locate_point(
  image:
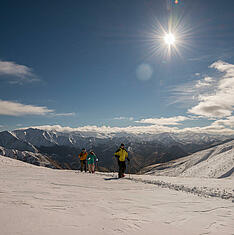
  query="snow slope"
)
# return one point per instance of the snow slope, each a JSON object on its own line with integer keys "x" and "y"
{"x": 36, "y": 200}
{"x": 29, "y": 157}
{"x": 215, "y": 162}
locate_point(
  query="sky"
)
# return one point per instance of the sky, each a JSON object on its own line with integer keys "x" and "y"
{"x": 104, "y": 65}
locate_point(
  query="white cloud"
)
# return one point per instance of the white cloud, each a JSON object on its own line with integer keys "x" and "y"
{"x": 11, "y": 108}
{"x": 218, "y": 102}
{"x": 207, "y": 81}
{"x": 210, "y": 97}
{"x": 209, "y": 108}
{"x": 17, "y": 73}
{"x": 152, "y": 129}
{"x": 164, "y": 121}
{"x": 222, "y": 66}
{"x": 17, "y": 109}
{"x": 214, "y": 128}
{"x": 229, "y": 122}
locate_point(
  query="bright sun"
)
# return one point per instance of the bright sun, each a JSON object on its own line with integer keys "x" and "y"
{"x": 169, "y": 39}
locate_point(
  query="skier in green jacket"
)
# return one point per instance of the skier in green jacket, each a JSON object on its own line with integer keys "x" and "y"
{"x": 91, "y": 159}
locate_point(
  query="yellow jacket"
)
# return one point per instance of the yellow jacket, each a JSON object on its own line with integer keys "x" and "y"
{"x": 83, "y": 156}
{"x": 122, "y": 154}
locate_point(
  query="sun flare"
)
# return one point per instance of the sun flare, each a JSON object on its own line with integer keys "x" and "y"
{"x": 169, "y": 39}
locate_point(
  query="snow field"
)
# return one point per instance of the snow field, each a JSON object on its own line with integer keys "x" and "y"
{"x": 36, "y": 200}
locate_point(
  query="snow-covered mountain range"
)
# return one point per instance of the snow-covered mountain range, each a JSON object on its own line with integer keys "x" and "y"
{"x": 144, "y": 149}
{"x": 38, "y": 137}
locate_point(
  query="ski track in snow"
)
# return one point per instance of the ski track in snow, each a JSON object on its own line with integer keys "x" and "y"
{"x": 200, "y": 191}
{"x": 223, "y": 189}
{"x": 36, "y": 200}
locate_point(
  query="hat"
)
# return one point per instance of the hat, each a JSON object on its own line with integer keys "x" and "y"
{"x": 122, "y": 144}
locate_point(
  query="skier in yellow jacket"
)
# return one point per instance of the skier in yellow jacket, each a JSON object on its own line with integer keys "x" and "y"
{"x": 83, "y": 156}
{"x": 121, "y": 154}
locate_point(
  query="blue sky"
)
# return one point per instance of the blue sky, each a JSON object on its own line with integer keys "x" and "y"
{"x": 105, "y": 63}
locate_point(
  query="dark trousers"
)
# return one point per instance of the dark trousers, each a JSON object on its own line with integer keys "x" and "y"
{"x": 122, "y": 168}
{"x": 83, "y": 165}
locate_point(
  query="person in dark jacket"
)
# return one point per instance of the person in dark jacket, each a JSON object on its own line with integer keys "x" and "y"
{"x": 121, "y": 154}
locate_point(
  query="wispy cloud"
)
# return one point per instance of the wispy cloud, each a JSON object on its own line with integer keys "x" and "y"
{"x": 184, "y": 95}
{"x": 222, "y": 54}
{"x": 202, "y": 58}
{"x": 16, "y": 73}
{"x": 172, "y": 121}
{"x": 190, "y": 92}
{"x": 11, "y": 108}
{"x": 124, "y": 118}
{"x": 64, "y": 114}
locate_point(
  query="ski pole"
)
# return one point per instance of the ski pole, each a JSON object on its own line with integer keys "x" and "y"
{"x": 115, "y": 166}
{"x": 129, "y": 165}
{"x": 97, "y": 163}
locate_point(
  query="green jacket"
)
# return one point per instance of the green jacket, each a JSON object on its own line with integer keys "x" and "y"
{"x": 91, "y": 158}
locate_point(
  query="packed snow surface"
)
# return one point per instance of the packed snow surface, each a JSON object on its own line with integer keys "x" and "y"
{"x": 36, "y": 200}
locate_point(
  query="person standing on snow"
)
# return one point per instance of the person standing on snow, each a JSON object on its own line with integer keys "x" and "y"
{"x": 83, "y": 156}
{"x": 91, "y": 159}
{"x": 121, "y": 154}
